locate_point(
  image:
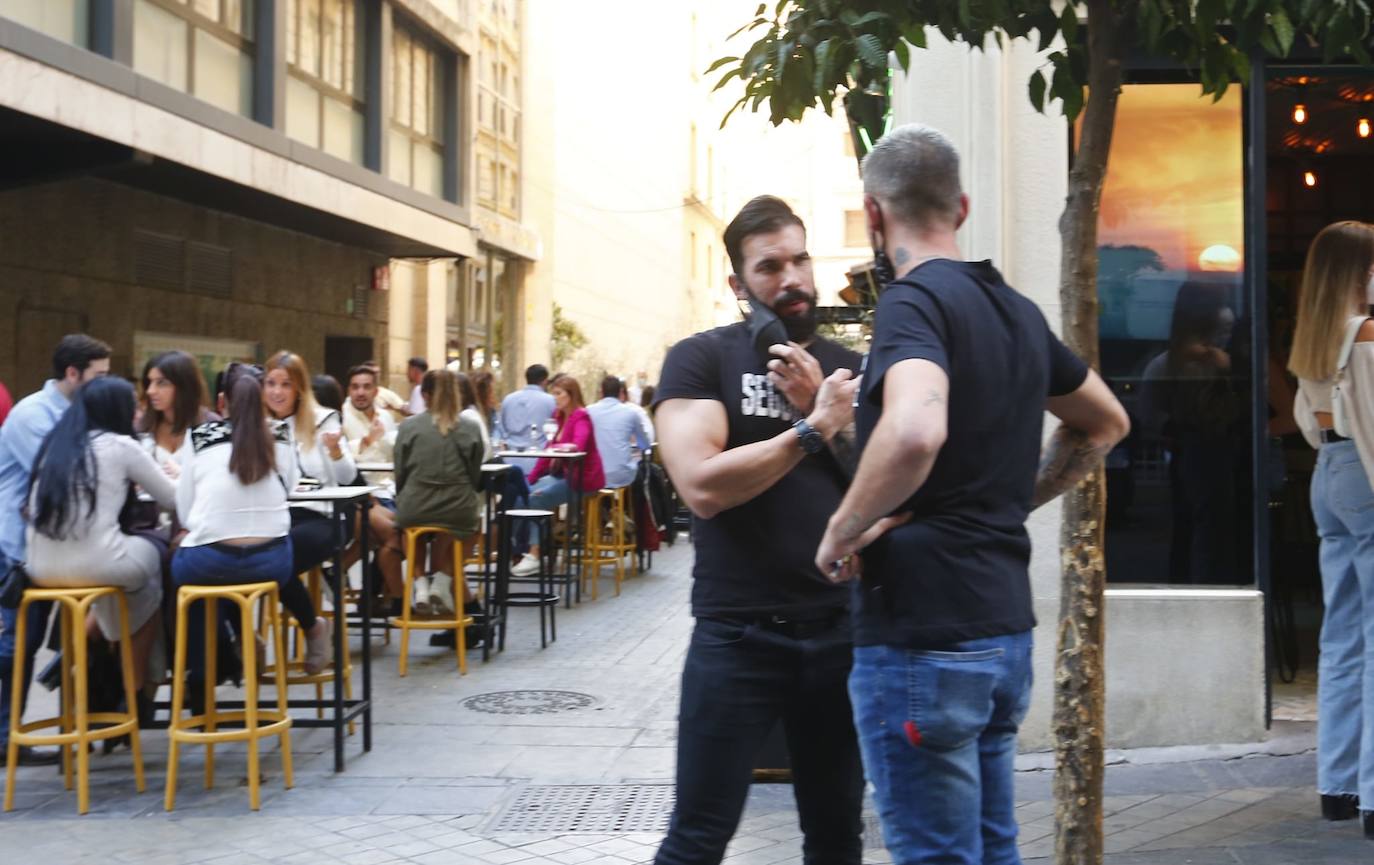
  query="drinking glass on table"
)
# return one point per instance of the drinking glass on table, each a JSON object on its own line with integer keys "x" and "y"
{"x": 550, "y": 431}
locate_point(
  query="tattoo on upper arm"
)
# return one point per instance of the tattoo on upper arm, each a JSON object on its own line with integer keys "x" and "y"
{"x": 933, "y": 397}
{"x": 1069, "y": 457}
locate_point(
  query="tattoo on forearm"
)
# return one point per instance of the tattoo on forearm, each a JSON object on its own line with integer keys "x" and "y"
{"x": 853, "y": 526}
{"x": 1069, "y": 457}
{"x": 933, "y": 397}
{"x": 842, "y": 447}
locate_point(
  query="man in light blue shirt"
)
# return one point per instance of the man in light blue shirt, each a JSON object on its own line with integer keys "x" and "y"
{"x": 620, "y": 438}
{"x": 520, "y": 422}
{"x": 77, "y": 359}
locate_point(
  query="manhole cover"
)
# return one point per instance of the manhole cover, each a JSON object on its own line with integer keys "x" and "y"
{"x": 603, "y": 808}
{"x": 528, "y": 702}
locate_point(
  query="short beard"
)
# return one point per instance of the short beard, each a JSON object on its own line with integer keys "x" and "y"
{"x": 799, "y": 327}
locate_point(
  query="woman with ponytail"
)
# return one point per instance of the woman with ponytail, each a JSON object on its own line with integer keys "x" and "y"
{"x": 232, "y": 501}
{"x": 80, "y": 483}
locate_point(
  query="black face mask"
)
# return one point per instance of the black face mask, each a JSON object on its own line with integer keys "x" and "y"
{"x": 767, "y": 328}
{"x": 883, "y": 271}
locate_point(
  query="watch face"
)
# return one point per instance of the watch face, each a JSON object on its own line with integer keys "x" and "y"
{"x": 811, "y": 441}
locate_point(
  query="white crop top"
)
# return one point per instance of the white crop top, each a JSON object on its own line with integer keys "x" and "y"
{"x": 213, "y": 505}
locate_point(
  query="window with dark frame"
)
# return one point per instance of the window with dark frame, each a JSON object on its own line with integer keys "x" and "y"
{"x": 201, "y": 47}
{"x": 325, "y": 99}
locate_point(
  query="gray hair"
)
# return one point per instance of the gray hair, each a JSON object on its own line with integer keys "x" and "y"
{"x": 914, "y": 171}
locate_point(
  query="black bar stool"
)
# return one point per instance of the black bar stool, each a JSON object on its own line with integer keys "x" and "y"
{"x": 542, "y": 597}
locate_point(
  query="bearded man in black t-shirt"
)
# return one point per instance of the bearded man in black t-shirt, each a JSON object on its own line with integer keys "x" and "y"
{"x": 960, "y": 373}
{"x": 751, "y": 428}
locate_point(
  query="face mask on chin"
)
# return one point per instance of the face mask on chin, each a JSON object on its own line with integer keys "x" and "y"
{"x": 767, "y": 328}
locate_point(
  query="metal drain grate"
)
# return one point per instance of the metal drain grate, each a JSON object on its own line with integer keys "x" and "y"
{"x": 567, "y": 809}
{"x": 528, "y": 702}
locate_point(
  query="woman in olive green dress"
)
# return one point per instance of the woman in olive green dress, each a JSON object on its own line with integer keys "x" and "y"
{"x": 438, "y": 458}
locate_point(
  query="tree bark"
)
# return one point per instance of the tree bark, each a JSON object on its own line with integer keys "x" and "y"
{"x": 1079, "y": 704}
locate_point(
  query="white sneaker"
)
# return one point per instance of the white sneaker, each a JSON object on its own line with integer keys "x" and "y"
{"x": 421, "y": 602}
{"x": 526, "y": 566}
{"x": 441, "y": 594}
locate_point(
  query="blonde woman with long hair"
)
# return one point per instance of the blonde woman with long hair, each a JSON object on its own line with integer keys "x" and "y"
{"x": 438, "y": 458}
{"x": 1333, "y": 317}
{"x": 321, "y": 454}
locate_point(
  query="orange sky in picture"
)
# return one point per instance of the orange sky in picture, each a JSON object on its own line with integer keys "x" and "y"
{"x": 1175, "y": 179}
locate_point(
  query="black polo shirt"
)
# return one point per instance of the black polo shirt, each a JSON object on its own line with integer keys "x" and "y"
{"x": 958, "y": 570}
{"x": 759, "y": 557}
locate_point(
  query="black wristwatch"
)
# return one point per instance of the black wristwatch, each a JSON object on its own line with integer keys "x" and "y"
{"x": 811, "y": 440}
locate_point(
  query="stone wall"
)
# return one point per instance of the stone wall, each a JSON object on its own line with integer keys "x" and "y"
{"x": 70, "y": 260}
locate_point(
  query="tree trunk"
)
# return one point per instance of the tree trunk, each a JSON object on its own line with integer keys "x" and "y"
{"x": 1079, "y": 704}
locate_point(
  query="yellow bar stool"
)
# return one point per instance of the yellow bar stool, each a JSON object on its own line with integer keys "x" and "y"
{"x": 74, "y": 722}
{"x": 602, "y": 549}
{"x": 457, "y": 623}
{"x": 295, "y": 661}
{"x": 257, "y": 722}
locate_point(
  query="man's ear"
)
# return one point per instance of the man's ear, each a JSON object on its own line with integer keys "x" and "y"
{"x": 874, "y": 218}
{"x": 963, "y": 211}
{"x": 737, "y": 286}
{"x": 72, "y": 376}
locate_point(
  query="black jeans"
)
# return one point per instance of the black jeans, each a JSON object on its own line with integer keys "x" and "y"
{"x": 315, "y": 538}
{"x": 738, "y": 680}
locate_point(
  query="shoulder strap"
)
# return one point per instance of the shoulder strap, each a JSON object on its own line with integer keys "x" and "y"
{"x": 1352, "y": 329}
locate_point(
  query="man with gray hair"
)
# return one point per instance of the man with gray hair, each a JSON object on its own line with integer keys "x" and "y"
{"x": 931, "y": 531}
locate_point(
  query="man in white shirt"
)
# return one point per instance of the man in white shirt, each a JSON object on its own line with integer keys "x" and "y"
{"x": 370, "y": 432}
{"x": 415, "y": 371}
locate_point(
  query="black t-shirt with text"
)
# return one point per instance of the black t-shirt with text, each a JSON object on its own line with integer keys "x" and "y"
{"x": 958, "y": 570}
{"x": 758, "y": 557}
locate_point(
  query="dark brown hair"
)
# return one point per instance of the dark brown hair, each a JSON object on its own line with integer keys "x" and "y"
{"x": 484, "y": 385}
{"x": 762, "y": 215}
{"x": 251, "y": 456}
{"x": 467, "y": 394}
{"x": 362, "y": 369}
{"x": 188, "y": 406}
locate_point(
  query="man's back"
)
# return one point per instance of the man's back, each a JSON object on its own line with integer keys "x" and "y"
{"x": 522, "y": 409}
{"x": 967, "y": 530}
{"x": 619, "y": 438}
{"x": 20, "y": 439}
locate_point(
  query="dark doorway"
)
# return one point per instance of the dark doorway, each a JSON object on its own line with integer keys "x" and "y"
{"x": 342, "y": 353}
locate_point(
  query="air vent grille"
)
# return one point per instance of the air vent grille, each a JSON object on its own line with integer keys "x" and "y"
{"x": 209, "y": 269}
{"x": 159, "y": 260}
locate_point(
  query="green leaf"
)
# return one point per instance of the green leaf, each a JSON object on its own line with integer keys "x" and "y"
{"x": 719, "y": 63}
{"x": 916, "y": 35}
{"x": 1068, "y": 22}
{"x": 737, "y": 72}
{"x": 1037, "y": 90}
{"x": 870, "y": 50}
{"x": 869, "y": 18}
{"x": 1283, "y": 31}
{"x": 903, "y": 54}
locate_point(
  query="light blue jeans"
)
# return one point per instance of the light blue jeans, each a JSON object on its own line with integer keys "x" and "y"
{"x": 937, "y": 730}
{"x": 1343, "y": 506}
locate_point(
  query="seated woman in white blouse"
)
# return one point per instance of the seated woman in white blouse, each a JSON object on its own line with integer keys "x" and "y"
{"x": 81, "y": 482}
{"x": 321, "y": 456}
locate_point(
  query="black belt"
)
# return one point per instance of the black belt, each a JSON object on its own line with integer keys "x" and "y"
{"x": 247, "y": 549}
{"x": 798, "y": 627}
{"x": 1330, "y": 436}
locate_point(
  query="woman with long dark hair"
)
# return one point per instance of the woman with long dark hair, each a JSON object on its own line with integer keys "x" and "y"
{"x": 467, "y": 398}
{"x": 80, "y": 483}
{"x": 438, "y": 475}
{"x": 319, "y": 450}
{"x": 173, "y": 402}
{"x": 548, "y": 480}
{"x": 232, "y": 501}
{"x": 1334, "y": 327}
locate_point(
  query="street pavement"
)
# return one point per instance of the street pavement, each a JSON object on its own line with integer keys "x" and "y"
{"x": 565, "y": 755}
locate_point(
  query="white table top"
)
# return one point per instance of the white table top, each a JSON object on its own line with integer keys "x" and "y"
{"x": 376, "y": 467}
{"x": 332, "y": 494}
{"x": 492, "y": 468}
{"x": 553, "y": 455}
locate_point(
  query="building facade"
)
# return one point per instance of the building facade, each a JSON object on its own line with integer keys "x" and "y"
{"x": 237, "y": 176}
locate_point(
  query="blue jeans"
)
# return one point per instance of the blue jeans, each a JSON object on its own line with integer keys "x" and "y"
{"x": 547, "y": 494}
{"x": 214, "y": 566}
{"x": 738, "y": 681}
{"x": 1343, "y": 506}
{"x": 938, "y": 734}
{"x": 36, "y": 627}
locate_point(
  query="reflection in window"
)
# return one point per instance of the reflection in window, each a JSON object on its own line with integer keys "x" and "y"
{"x": 1172, "y": 325}
{"x": 61, "y": 19}
{"x": 201, "y": 47}
{"x": 324, "y": 90}
{"x": 418, "y": 108}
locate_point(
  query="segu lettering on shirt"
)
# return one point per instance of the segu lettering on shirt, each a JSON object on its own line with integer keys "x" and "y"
{"x": 761, "y": 399}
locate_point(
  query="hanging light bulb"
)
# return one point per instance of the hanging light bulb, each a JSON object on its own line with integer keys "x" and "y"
{"x": 1299, "y": 113}
{"x": 1309, "y": 179}
{"x": 1362, "y": 127}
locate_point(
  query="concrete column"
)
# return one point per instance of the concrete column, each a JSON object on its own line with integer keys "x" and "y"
{"x": 376, "y": 82}
{"x": 269, "y": 63}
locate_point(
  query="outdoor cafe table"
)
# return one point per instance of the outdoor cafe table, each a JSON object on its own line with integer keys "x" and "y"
{"x": 376, "y": 467}
{"x": 341, "y": 501}
{"x": 574, "y": 564}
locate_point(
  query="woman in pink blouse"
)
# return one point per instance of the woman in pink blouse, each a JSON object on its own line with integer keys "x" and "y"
{"x": 549, "y": 481}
